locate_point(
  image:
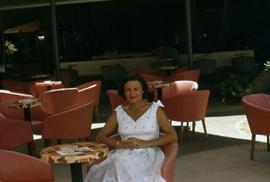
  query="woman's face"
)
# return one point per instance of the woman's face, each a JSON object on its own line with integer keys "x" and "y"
{"x": 133, "y": 91}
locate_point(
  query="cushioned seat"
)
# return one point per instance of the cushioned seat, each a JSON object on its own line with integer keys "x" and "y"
{"x": 14, "y": 133}
{"x": 257, "y": 109}
{"x": 15, "y": 166}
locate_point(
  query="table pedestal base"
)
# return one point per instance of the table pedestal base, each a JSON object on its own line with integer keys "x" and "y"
{"x": 76, "y": 172}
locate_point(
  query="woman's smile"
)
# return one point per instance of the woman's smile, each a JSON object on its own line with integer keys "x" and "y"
{"x": 133, "y": 91}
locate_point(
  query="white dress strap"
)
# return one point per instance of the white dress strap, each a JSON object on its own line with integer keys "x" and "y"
{"x": 118, "y": 108}
{"x": 158, "y": 103}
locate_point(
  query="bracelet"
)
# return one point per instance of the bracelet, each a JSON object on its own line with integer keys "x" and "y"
{"x": 118, "y": 143}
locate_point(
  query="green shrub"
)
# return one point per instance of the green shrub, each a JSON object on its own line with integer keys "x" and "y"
{"x": 233, "y": 88}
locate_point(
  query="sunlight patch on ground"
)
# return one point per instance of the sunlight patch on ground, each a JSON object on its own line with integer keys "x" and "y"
{"x": 235, "y": 126}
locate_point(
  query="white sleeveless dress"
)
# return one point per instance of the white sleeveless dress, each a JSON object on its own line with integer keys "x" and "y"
{"x": 132, "y": 165}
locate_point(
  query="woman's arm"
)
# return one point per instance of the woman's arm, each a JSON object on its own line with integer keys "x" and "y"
{"x": 164, "y": 124}
{"x": 107, "y": 130}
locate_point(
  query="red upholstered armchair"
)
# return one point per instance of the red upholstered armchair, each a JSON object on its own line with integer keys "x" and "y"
{"x": 73, "y": 123}
{"x": 20, "y": 167}
{"x": 192, "y": 75}
{"x": 186, "y": 107}
{"x": 257, "y": 109}
{"x": 39, "y": 87}
{"x": 115, "y": 99}
{"x": 14, "y": 133}
{"x": 58, "y": 100}
{"x": 170, "y": 151}
{"x": 37, "y": 113}
{"x": 15, "y": 86}
{"x": 7, "y": 96}
{"x": 89, "y": 92}
{"x": 179, "y": 87}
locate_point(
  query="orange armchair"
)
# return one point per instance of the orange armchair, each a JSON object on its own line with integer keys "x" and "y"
{"x": 37, "y": 113}
{"x": 89, "y": 92}
{"x": 14, "y": 133}
{"x": 257, "y": 109}
{"x": 115, "y": 99}
{"x": 73, "y": 123}
{"x": 20, "y": 167}
{"x": 179, "y": 87}
{"x": 7, "y": 96}
{"x": 186, "y": 107}
{"x": 15, "y": 86}
{"x": 170, "y": 151}
{"x": 58, "y": 100}
{"x": 192, "y": 75}
{"x": 39, "y": 87}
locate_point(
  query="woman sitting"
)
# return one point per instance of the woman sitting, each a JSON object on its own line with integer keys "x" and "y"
{"x": 136, "y": 156}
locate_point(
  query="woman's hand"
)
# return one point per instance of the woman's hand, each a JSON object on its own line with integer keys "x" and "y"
{"x": 132, "y": 143}
{"x": 137, "y": 143}
{"x": 126, "y": 144}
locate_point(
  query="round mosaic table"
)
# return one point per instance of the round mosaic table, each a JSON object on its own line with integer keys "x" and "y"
{"x": 159, "y": 85}
{"x": 75, "y": 154}
{"x": 50, "y": 84}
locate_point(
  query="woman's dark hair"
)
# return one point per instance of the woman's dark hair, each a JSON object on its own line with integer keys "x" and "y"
{"x": 134, "y": 78}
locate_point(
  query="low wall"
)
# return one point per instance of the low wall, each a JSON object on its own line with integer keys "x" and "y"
{"x": 223, "y": 59}
{"x": 92, "y": 67}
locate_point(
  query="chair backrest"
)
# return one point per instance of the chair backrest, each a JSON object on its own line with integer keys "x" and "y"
{"x": 58, "y": 100}
{"x": 89, "y": 91}
{"x": 192, "y": 75}
{"x": 14, "y": 86}
{"x": 178, "y": 70}
{"x": 74, "y": 123}
{"x": 15, "y": 166}
{"x": 187, "y": 106}
{"x": 39, "y": 87}
{"x": 257, "y": 110}
{"x": 179, "y": 87}
{"x": 7, "y": 96}
{"x": 14, "y": 133}
{"x": 115, "y": 99}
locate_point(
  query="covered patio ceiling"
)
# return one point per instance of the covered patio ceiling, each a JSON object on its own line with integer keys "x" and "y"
{"x": 20, "y": 4}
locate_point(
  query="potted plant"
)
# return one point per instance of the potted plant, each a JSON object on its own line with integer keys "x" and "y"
{"x": 233, "y": 88}
{"x": 262, "y": 81}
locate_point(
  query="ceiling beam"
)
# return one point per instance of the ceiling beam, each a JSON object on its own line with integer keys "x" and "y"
{"x": 19, "y": 4}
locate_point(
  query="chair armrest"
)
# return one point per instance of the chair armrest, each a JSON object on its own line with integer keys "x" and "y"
{"x": 73, "y": 123}
{"x": 14, "y": 133}
{"x": 170, "y": 151}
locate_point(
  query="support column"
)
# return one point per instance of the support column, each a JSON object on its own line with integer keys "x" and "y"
{"x": 189, "y": 34}
{"x": 55, "y": 41}
{"x": 3, "y": 57}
